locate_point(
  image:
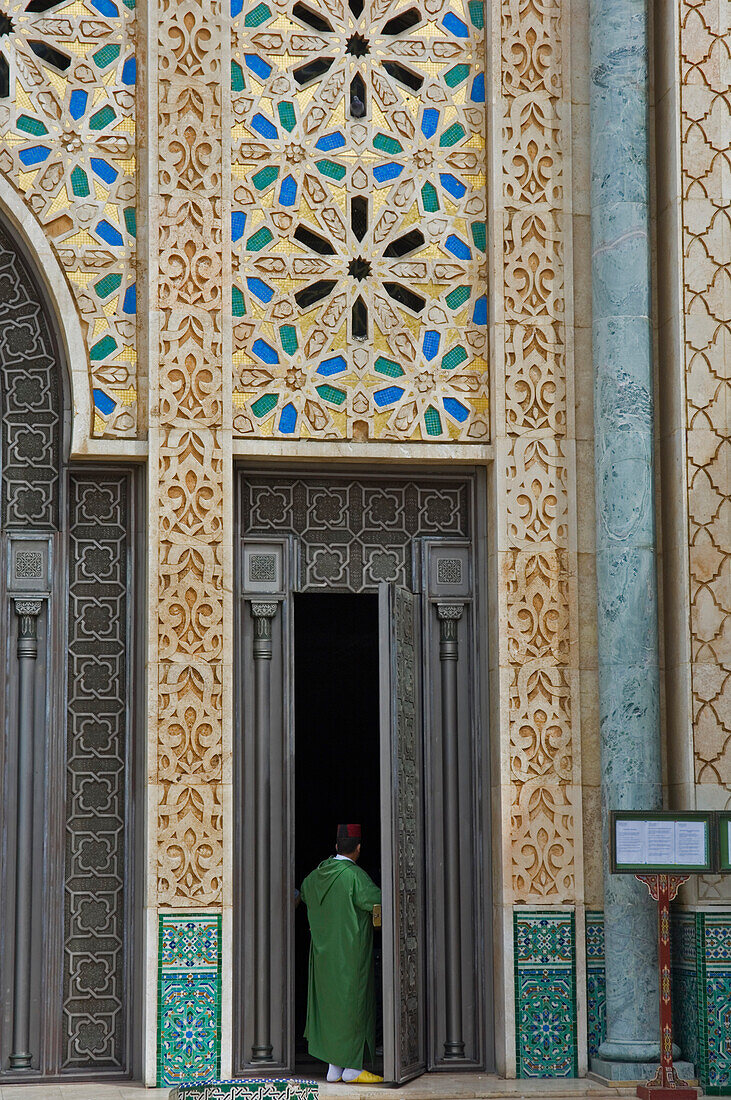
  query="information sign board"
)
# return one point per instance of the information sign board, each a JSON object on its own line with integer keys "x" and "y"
{"x": 660, "y": 843}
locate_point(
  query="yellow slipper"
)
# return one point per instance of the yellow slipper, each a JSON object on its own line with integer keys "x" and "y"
{"x": 366, "y": 1078}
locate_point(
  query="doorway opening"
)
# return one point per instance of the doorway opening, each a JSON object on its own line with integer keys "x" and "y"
{"x": 337, "y": 757}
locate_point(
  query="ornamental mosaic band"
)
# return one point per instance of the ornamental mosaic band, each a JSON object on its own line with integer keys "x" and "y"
{"x": 341, "y": 1004}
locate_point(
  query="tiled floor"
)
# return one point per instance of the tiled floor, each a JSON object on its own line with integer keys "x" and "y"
{"x": 431, "y": 1087}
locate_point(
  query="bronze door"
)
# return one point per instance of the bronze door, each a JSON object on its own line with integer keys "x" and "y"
{"x": 402, "y": 835}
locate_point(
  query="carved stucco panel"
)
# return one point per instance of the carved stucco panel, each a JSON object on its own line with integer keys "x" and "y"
{"x": 538, "y": 563}
{"x": 189, "y": 467}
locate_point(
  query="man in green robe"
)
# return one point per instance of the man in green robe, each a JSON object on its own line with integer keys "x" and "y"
{"x": 341, "y": 1001}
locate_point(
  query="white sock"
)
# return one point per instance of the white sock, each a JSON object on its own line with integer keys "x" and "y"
{"x": 334, "y": 1073}
{"x": 351, "y": 1074}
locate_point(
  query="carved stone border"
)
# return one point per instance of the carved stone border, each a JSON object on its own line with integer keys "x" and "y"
{"x": 534, "y": 648}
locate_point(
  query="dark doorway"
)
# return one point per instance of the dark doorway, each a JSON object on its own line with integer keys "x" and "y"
{"x": 337, "y": 749}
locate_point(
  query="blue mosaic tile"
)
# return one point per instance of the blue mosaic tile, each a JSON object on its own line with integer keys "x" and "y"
{"x": 545, "y": 994}
{"x": 685, "y": 992}
{"x": 190, "y": 942}
{"x": 596, "y": 984}
{"x": 595, "y": 937}
{"x": 189, "y": 999}
{"x": 713, "y": 944}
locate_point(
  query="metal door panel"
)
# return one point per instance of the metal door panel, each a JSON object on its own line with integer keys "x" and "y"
{"x": 402, "y": 832}
{"x": 263, "y": 771}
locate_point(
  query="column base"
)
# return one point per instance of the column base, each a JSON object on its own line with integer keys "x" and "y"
{"x": 629, "y": 1073}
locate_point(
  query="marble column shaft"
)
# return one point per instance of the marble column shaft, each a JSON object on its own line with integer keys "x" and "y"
{"x": 625, "y": 510}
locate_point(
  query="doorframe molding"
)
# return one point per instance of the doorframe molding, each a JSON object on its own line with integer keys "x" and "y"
{"x": 476, "y": 476}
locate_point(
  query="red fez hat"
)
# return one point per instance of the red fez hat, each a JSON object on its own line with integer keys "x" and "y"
{"x": 348, "y": 832}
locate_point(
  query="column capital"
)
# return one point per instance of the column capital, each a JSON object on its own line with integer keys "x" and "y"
{"x": 450, "y": 611}
{"x": 27, "y": 608}
{"x": 261, "y": 610}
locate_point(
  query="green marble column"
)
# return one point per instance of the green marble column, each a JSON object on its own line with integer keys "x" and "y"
{"x": 625, "y": 511}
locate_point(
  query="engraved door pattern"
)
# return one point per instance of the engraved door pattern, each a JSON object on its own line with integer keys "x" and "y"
{"x": 402, "y": 829}
{"x": 80, "y": 869}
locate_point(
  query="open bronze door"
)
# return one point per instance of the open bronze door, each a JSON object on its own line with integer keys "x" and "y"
{"x": 402, "y": 835}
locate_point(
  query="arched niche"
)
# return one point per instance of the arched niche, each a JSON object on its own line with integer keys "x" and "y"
{"x": 68, "y": 774}
{"x": 21, "y": 226}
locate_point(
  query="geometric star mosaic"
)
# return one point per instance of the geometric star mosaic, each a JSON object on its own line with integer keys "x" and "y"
{"x": 358, "y": 223}
{"x": 67, "y": 143}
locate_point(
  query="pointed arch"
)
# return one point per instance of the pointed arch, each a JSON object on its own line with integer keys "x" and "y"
{"x": 23, "y": 228}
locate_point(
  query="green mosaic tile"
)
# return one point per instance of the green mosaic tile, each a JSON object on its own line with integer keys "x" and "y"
{"x": 237, "y": 302}
{"x": 479, "y": 234}
{"x": 257, "y": 16}
{"x": 288, "y": 336}
{"x": 433, "y": 421}
{"x": 108, "y": 284}
{"x": 430, "y": 198}
{"x": 130, "y": 220}
{"x": 80, "y": 183}
{"x": 31, "y": 125}
{"x": 102, "y": 348}
{"x": 189, "y": 998}
{"x": 105, "y": 56}
{"x": 387, "y": 144}
{"x": 265, "y": 177}
{"x": 264, "y": 405}
{"x": 453, "y": 358}
{"x": 477, "y": 13}
{"x": 458, "y": 297}
{"x": 329, "y": 168}
{"x": 545, "y": 994}
{"x": 287, "y": 116}
{"x": 452, "y": 135}
{"x": 331, "y": 394}
{"x": 456, "y": 75}
{"x": 260, "y": 239}
{"x": 237, "y": 77}
{"x": 387, "y": 367}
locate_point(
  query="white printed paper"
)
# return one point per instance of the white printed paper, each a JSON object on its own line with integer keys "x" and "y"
{"x": 661, "y": 842}
{"x": 690, "y": 842}
{"x": 631, "y": 841}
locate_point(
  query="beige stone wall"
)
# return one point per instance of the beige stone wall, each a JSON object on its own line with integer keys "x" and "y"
{"x": 705, "y": 128}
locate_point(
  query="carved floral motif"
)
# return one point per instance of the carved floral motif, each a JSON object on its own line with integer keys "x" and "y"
{"x": 537, "y": 472}
{"x": 190, "y": 465}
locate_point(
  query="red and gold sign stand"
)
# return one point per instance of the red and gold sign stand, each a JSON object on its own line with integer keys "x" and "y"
{"x": 665, "y": 1085}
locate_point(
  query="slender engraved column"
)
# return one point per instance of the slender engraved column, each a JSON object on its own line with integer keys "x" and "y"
{"x": 449, "y": 615}
{"x": 27, "y": 612}
{"x": 262, "y": 613}
{"x": 625, "y": 512}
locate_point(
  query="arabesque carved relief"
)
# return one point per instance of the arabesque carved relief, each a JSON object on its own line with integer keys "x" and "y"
{"x": 189, "y": 458}
{"x": 705, "y": 164}
{"x": 67, "y": 143}
{"x": 537, "y": 473}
